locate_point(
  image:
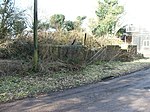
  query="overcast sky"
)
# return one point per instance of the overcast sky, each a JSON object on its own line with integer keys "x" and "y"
{"x": 137, "y": 11}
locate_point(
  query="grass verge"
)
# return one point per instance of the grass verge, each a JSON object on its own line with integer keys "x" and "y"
{"x": 18, "y": 86}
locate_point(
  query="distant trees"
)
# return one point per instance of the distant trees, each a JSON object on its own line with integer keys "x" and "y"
{"x": 78, "y": 22}
{"x": 108, "y": 14}
{"x": 43, "y": 25}
{"x": 69, "y": 25}
{"x": 58, "y": 22}
{"x": 12, "y": 20}
{"x": 19, "y": 22}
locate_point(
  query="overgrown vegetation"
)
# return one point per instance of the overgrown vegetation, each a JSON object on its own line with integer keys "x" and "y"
{"x": 12, "y": 20}
{"x": 17, "y": 80}
{"x": 22, "y": 47}
{"x": 31, "y": 85}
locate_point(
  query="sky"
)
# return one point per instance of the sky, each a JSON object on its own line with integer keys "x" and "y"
{"x": 136, "y": 11}
{"x": 70, "y": 8}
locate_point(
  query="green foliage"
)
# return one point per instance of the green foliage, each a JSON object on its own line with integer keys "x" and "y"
{"x": 81, "y": 18}
{"x": 69, "y": 25}
{"x": 12, "y": 21}
{"x": 121, "y": 31}
{"x": 108, "y": 14}
{"x": 74, "y": 25}
{"x": 43, "y": 25}
{"x": 78, "y": 23}
{"x": 19, "y": 22}
{"x": 57, "y": 21}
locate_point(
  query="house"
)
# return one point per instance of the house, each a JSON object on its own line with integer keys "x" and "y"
{"x": 141, "y": 38}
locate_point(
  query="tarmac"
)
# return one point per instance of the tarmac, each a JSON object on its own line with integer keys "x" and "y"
{"x": 129, "y": 93}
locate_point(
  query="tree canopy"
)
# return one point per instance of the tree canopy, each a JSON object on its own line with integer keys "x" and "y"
{"x": 69, "y": 25}
{"x": 108, "y": 14}
{"x": 12, "y": 20}
{"x": 57, "y": 21}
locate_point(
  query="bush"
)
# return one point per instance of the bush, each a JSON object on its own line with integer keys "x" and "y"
{"x": 22, "y": 46}
{"x": 22, "y": 49}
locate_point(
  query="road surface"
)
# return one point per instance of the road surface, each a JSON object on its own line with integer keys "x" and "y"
{"x": 130, "y": 93}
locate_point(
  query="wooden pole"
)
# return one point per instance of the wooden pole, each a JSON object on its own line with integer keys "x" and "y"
{"x": 84, "y": 39}
{"x": 35, "y": 58}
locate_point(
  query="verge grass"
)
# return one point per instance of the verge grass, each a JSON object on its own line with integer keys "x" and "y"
{"x": 13, "y": 87}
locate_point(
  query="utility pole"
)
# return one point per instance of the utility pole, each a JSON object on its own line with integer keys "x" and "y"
{"x": 35, "y": 58}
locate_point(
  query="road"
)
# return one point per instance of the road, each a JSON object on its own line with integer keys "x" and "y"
{"x": 130, "y": 93}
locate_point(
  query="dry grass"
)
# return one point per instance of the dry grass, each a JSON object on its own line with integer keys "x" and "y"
{"x": 67, "y": 38}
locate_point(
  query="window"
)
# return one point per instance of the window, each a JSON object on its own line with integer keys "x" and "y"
{"x": 146, "y": 43}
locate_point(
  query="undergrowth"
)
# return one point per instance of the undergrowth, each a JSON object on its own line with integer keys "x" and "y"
{"x": 31, "y": 84}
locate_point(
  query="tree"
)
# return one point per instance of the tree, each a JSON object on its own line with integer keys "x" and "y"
{"x": 121, "y": 31}
{"x": 57, "y": 21}
{"x": 108, "y": 14}
{"x": 43, "y": 25}
{"x": 79, "y": 21}
{"x": 6, "y": 9}
{"x": 19, "y": 22}
{"x": 69, "y": 25}
{"x": 12, "y": 21}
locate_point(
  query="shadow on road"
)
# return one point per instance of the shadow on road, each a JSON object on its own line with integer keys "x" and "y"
{"x": 124, "y": 94}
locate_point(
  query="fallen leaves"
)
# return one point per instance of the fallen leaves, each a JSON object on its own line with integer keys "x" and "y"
{"x": 18, "y": 87}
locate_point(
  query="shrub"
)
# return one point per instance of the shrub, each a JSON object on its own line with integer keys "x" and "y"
{"x": 22, "y": 46}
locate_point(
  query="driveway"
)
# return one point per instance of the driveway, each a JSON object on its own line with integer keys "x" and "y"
{"x": 130, "y": 93}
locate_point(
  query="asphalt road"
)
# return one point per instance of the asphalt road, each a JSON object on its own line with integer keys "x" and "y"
{"x": 130, "y": 93}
